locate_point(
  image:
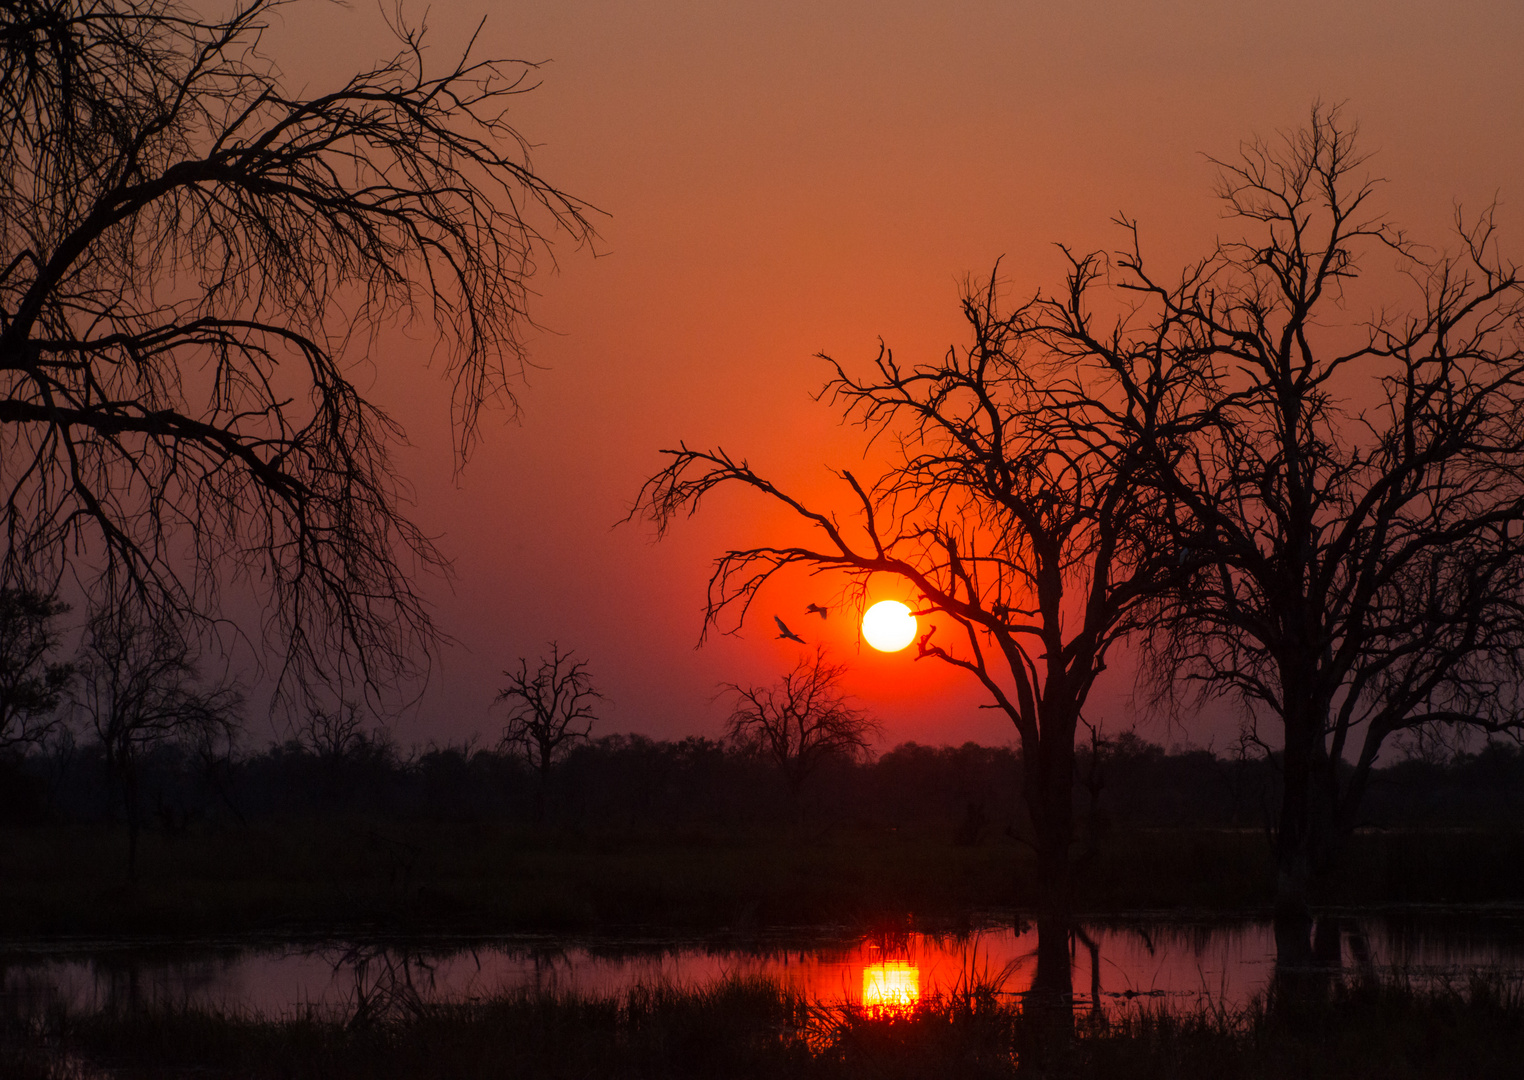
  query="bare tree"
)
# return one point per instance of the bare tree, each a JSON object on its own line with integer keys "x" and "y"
{"x": 331, "y": 735}
{"x": 138, "y": 688}
{"x": 31, "y": 685}
{"x": 549, "y": 710}
{"x": 801, "y": 721}
{"x": 1012, "y": 508}
{"x": 193, "y": 261}
{"x": 1347, "y": 497}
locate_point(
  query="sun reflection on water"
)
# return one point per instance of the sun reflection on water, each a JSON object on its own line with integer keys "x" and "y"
{"x": 891, "y": 987}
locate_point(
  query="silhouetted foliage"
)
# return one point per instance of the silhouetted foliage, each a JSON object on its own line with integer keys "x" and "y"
{"x": 695, "y": 832}
{"x": 193, "y": 260}
{"x": 632, "y": 783}
{"x": 31, "y": 684}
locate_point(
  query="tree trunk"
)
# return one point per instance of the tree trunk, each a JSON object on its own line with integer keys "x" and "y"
{"x": 1094, "y": 949}
{"x": 1053, "y": 983}
{"x": 1304, "y": 832}
{"x": 1304, "y": 840}
{"x": 1293, "y": 853}
{"x": 1049, "y": 794}
{"x": 1308, "y": 956}
{"x": 1293, "y": 944}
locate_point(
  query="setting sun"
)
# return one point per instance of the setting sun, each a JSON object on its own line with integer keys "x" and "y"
{"x": 889, "y": 626}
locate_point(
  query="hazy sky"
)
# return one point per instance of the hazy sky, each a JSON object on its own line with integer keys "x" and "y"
{"x": 782, "y": 179}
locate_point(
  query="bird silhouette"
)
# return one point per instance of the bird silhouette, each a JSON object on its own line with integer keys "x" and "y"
{"x": 785, "y": 632}
{"x": 815, "y": 609}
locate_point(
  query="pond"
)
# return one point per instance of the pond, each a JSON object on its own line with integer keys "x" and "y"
{"x": 1177, "y": 961}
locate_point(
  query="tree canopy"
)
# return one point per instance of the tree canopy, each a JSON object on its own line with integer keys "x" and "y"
{"x": 1345, "y": 491}
{"x": 193, "y": 259}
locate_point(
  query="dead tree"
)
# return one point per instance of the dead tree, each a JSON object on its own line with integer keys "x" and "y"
{"x": 800, "y": 722}
{"x": 1346, "y": 495}
{"x": 332, "y": 735}
{"x": 549, "y": 710}
{"x": 1012, "y": 509}
{"x": 193, "y": 263}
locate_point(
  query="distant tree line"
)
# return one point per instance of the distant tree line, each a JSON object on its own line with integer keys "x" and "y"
{"x": 969, "y": 794}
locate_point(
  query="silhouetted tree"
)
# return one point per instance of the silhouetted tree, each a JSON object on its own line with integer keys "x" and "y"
{"x": 30, "y": 684}
{"x": 550, "y": 709}
{"x": 801, "y": 721}
{"x": 137, "y": 688}
{"x": 331, "y": 735}
{"x": 1347, "y": 496}
{"x": 1012, "y": 508}
{"x": 193, "y": 260}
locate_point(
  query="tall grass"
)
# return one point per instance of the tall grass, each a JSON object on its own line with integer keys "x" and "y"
{"x": 1388, "y": 1028}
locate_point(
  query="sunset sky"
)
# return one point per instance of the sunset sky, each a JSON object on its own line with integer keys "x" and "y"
{"x": 782, "y": 179}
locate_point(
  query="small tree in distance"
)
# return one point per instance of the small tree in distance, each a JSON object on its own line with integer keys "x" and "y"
{"x": 138, "y": 689}
{"x": 331, "y": 735}
{"x": 550, "y": 709}
{"x": 800, "y": 721}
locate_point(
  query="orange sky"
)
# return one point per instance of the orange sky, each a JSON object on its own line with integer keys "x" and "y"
{"x": 786, "y": 178}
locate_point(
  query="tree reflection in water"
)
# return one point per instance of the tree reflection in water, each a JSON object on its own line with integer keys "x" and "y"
{"x": 389, "y": 982}
{"x": 1187, "y": 963}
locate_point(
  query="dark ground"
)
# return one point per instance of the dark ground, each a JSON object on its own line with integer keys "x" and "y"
{"x": 344, "y": 876}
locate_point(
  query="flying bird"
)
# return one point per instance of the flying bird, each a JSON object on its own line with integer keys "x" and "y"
{"x": 785, "y": 632}
{"x": 815, "y": 609}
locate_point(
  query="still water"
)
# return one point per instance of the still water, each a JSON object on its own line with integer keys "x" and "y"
{"x": 1177, "y": 962}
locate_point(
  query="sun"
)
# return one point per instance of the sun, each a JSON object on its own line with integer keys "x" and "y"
{"x": 889, "y": 626}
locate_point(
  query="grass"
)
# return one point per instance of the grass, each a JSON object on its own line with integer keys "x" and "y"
{"x": 344, "y": 875}
{"x": 1385, "y": 1028}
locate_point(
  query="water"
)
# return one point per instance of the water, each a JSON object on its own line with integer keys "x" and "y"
{"x": 1178, "y": 962}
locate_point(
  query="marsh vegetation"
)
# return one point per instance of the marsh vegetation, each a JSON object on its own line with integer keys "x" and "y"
{"x": 755, "y": 1028}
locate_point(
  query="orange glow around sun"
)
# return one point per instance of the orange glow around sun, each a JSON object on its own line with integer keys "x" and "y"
{"x": 889, "y": 626}
{"x": 891, "y": 986}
